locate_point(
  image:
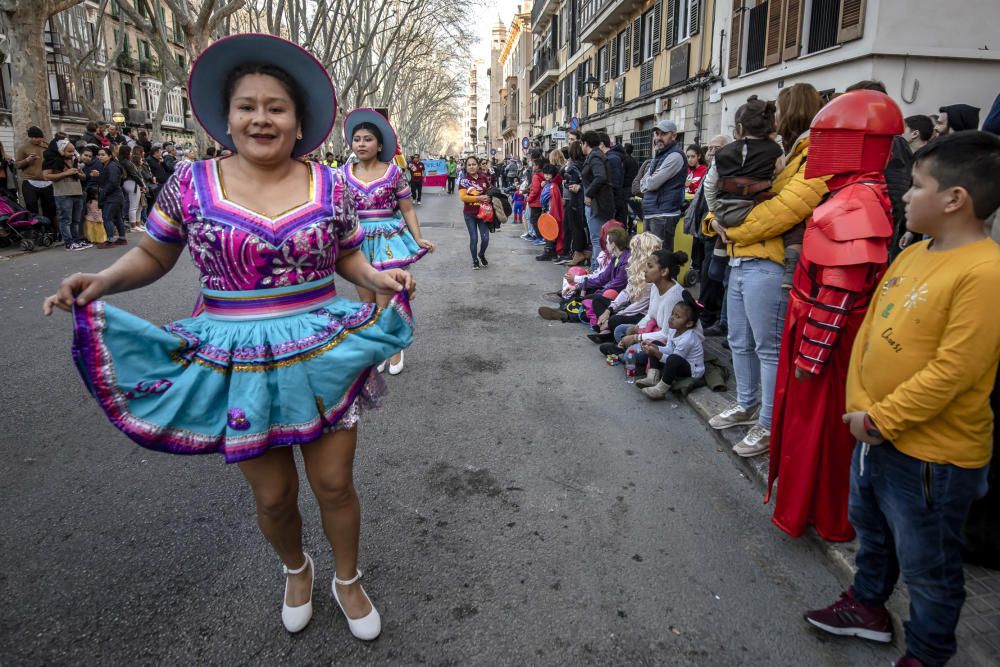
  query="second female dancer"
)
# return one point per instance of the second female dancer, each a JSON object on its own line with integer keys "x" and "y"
{"x": 382, "y": 198}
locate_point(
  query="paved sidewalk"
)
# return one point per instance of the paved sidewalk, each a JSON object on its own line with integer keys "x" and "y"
{"x": 979, "y": 628}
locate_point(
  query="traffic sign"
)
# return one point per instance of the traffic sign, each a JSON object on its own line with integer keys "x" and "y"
{"x": 525, "y": 143}
{"x": 493, "y": 151}
{"x": 574, "y": 123}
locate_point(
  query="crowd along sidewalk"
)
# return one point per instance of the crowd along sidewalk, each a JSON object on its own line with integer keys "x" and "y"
{"x": 979, "y": 628}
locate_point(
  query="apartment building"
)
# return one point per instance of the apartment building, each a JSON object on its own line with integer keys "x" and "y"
{"x": 494, "y": 120}
{"x": 511, "y": 78}
{"x": 133, "y": 83}
{"x": 928, "y": 54}
{"x": 622, "y": 65}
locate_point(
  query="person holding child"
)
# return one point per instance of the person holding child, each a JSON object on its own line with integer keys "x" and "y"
{"x": 918, "y": 390}
{"x": 845, "y": 252}
{"x": 472, "y": 187}
{"x": 755, "y": 300}
{"x": 682, "y": 355}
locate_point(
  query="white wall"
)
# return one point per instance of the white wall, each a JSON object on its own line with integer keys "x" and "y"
{"x": 942, "y": 82}
{"x": 942, "y": 26}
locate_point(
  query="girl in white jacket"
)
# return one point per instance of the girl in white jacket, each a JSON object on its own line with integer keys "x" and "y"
{"x": 682, "y": 355}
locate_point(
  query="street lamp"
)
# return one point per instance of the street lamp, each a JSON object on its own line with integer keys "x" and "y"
{"x": 531, "y": 120}
{"x": 591, "y": 83}
{"x": 118, "y": 117}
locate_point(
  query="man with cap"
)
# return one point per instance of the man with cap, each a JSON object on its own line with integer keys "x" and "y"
{"x": 663, "y": 184}
{"x": 36, "y": 192}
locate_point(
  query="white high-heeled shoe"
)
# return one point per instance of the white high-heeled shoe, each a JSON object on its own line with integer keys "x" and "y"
{"x": 396, "y": 369}
{"x": 297, "y": 618}
{"x": 381, "y": 367}
{"x": 367, "y": 627}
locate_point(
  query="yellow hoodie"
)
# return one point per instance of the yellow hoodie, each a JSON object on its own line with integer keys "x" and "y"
{"x": 796, "y": 196}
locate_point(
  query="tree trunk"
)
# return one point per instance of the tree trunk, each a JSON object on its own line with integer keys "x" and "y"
{"x": 29, "y": 80}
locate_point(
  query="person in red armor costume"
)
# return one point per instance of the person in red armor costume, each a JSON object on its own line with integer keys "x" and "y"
{"x": 844, "y": 254}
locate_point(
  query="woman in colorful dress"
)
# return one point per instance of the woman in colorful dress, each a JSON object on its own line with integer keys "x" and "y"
{"x": 383, "y": 202}
{"x": 276, "y": 358}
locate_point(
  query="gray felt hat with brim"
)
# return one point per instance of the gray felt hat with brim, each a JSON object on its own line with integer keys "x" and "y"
{"x": 366, "y": 115}
{"x": 206, "y": 85}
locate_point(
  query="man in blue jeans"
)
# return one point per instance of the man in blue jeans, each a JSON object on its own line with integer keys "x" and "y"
{"x": 663, "y": 184}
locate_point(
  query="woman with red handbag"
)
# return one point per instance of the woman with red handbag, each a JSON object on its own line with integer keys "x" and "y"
{"x": 477, "y": 209}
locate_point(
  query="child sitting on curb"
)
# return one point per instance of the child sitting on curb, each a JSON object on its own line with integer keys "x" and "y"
{"x": 918, "y": 390}
{"x": 681, "y": 356}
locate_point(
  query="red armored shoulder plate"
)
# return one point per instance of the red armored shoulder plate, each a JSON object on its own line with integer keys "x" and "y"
{"x": 851, "y": 227}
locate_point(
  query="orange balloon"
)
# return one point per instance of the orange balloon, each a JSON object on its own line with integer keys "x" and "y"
{"x": 548, "y": 226}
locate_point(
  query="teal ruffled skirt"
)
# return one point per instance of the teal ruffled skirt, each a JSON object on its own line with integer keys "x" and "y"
{"x": 245, "y": 375}
{"x": 388, "y": 243}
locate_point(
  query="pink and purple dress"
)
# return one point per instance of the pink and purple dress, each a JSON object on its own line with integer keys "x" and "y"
{"x": 388, "y": 243}
{"x": 275, "y": 358}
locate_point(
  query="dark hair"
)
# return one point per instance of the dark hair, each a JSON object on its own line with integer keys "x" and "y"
{"x": 592, "y": 139}
{"x": 868, "y": 84}
{"x": 628, "y": 148}
{"x": 35, "y": 132}
{"x": 968, "y": 159}
{"x": 575, "y": 151}
{"x": 91, "y": 126}
{"x": 210, "y": 151}
{"x": 605, "y": 139}
{"x": 92, "y": 194}
{"x": 756, "y": 117}
{"x": 672, "y": 261}
{"x": 142, "y": 133}
{"x": 124, "y": 152}
{"x": 576, "y": 133}
{"x": 689, "y": 303}
{"x": 371, "y": 127}
{"x": 536, "y": 153}
{"x": 619, "y": 236}
{"x": 287, "y": 82}
{"x": 922, "y": 124}
{"x": 470, "y": 157}
{"x": 699, "y": 150}
{"x": 550, "y": 169}
{"x": 107, "y": 151}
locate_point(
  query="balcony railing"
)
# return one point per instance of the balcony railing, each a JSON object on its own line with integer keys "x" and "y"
{"x": 540, "y": 10}
{"x": 125, "y": 61}
{"x": 546, "y": 67}
{"x": 599, "y": 17}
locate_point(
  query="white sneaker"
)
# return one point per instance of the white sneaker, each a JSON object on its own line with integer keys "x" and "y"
{"x": 367, "y": 627}
{"x": 297, "y": 618}
{"x": 381, "y": 367}
{"x": 735, "y": 416}
{"x": 396, "y": 369}
{"x": 755, "y": 442}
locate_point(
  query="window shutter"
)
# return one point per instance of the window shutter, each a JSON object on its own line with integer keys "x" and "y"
{"x": 581, "y": 74}
{"x": 694, "y": 12}
{"x": 637, "y": 42}
{"x": 671, "y": 22}
{"x": 627, "y": 64}
{"x": 773, "y": 44}
{"x": 852, "y": 20}
{"x": 735, "y": 36}
{"x": 613, "y": 46}
{"x": 657, "y": 18}
{"x": 792, "y": 29}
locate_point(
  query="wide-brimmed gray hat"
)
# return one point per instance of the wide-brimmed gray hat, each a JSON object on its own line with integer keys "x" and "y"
{"x": 367, "y": 115}
{"x": 206, "y": 85}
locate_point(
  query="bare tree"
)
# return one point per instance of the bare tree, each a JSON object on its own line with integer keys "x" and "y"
{"x": 86, "y": 57}
{"x": 25, "y": 26}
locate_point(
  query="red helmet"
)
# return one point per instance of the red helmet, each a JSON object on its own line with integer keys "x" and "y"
{"x": 852, "y": 134}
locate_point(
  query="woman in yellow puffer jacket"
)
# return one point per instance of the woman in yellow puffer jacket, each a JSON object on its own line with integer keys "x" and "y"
{"x": 755, "y": 300}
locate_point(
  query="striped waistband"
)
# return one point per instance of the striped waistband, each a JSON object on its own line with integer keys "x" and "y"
{"x": 268, "y": 303}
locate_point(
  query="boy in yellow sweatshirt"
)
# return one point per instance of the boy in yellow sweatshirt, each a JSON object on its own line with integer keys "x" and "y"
{"x": 918, "y": 388}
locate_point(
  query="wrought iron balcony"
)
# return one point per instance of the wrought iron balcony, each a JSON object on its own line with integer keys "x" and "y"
{"x": 545, "y": 71}
{"x": 599, "y": 18}
{"x": 540, "y": 10}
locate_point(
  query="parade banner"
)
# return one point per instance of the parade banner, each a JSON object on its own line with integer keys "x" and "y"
{"x": 436, "y": 173}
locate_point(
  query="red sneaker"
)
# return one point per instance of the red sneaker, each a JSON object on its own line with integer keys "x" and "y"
{"x": 907, "y": 661}
{"x": 849, "y": 618}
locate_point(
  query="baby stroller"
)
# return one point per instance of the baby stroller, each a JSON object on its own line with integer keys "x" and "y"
{"x": 18, "y": 225}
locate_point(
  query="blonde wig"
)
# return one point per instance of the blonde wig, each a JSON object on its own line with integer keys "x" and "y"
{"x": 642, "y": 247}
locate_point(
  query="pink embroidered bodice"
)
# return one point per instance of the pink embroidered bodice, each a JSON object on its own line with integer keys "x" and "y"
{"x": 380, "y": 198}
{"x": 236, "y": 248}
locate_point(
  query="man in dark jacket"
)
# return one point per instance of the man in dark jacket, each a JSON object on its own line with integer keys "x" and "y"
{"x": 90, "y": 136}
{"x": 663, "y": 184}
{"x": 616, "y": 170}
{"x": 917, "y": 131}
{"x": 159, "y": 171}
{"x": 598, "y": 195}
{"x": 169, "y": 157}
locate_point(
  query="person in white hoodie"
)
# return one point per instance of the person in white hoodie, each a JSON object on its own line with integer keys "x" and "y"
{"x": 681, "y": 356}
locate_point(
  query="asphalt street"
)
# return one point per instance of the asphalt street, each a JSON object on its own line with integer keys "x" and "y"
{"x": 521, "y": 505}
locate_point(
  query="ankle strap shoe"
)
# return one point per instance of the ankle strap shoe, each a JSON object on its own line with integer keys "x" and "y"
{"x": 297, "y": 618}
{"x": 369, "y": 626}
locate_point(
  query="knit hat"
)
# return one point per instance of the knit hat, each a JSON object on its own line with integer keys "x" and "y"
{"x": 62, "y": 144}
